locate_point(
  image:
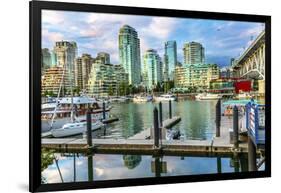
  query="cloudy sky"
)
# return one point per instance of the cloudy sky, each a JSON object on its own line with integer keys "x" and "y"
{"x": 95, "y": 32}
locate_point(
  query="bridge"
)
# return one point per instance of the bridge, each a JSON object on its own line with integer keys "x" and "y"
{"x": 251, "y": 63}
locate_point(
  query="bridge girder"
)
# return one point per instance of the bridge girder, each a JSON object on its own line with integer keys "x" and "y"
{"x": 252, "y": 64}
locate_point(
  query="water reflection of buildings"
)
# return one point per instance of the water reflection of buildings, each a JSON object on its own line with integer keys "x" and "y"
{"x": 131, "y": 161}
{"x": 132, "y": 121}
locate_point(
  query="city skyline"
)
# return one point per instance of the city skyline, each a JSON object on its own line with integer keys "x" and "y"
{"x": 95, "y": 32}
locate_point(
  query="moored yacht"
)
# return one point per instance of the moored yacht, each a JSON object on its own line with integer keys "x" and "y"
{"x": 165, "y": 97}
{"x": 208, "y": 96}
{"x": 55, "y": 115}
{"x": 139, "y": 98}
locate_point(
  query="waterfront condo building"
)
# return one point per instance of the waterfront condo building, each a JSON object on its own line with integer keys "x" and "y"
{"x": 82, "y": 70}
{"x": 196, "y": 75}
{"x": 152, "y": 69}
{"x": 54, "y": 78}
{"x": 129, "y": 53}
{"x": 194, "y": 53}
{"x": 66, "y": 53}
{"x": 106, "y": 80}
{"x": 170, "y": 60}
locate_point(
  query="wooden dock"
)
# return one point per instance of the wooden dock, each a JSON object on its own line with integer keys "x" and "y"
{"x": 141, "y": 143}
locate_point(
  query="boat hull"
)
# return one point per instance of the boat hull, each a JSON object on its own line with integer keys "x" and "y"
{"x": 61, "y": 132}
{"x": 164, "y": 99}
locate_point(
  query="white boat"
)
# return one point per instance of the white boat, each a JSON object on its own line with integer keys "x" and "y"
{"x": 118, "y": 99}
{"x": 243, "y": 96}
{"x": 208, "y": 96}
{"x": 76, "y": 128}
{"x": 54, "y": 116}
{"x": 141, "y": 99}
{"x": 165, "y": 97}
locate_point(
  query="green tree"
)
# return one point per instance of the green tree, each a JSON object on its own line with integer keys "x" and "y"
{"x": 46, "y": 93}
{"x": 51, "y": 93}
{"x": 47, "y": 158}
{"x": 110, "y": 90}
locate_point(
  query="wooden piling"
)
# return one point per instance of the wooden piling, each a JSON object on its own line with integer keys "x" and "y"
{"x": 235, "y": 127}
{"x": 218, "y": 118}
{"x": 156, "y": 127}
{"x": 103, "y": 110}
{"x": 252, "y": 157}
{"x": 89, "y": 129}
{"x": 170, "y": 109}
{"x": 160, "y": 114}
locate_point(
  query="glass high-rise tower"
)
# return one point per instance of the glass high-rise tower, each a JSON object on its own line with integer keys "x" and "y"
{"x": 170, "y": 60}
{"x": 152, "y": 69}
{"x": 129, "y": 53}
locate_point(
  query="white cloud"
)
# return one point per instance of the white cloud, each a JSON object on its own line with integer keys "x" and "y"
{"x": 160, "y": 27}
{"x": 253, "y": 31}
{"x": 52, "y": 17}
{"x": 52, "y": 36}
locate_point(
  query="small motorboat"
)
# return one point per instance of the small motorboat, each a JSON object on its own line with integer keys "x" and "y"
{"x": 139, "y": 98}
{"x": 207, "y": 96}
{"x": 165, "y": 97}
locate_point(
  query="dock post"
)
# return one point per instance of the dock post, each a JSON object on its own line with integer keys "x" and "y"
{"x": 156, "y": 127}
{"x": 160, "y": 114}
{"x": 252, "y": 157}
{"x": 103, "y": 110}
{"x": 170, "y": 109}
{"x": 235, "y": 127}
{"x": 89, "y": 129}
{"x": 218, "y": 118}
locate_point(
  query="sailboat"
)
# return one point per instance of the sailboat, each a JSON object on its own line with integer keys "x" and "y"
{"x": 75, "y": 126}
{"x": 70, "y": 129}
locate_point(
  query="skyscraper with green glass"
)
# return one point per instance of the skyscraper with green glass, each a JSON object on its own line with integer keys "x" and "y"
{"x": 152, "y": 69}
{"x": 170, "y": 60}
{"x": 129, "y": 53}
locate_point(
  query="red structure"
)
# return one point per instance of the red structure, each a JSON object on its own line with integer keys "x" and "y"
{"x": 242, "y": 86}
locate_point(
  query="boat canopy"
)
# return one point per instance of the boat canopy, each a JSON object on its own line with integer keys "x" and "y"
{"x": 77, "y": 100}
{"x": 243, "y": 102}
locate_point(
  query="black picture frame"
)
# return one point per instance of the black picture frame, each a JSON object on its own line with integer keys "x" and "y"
{"x": 35, "y": 97}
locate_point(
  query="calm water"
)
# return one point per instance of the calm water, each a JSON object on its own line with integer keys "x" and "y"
{"x": 73, "y": 167}
{"x": 197, "y": 122}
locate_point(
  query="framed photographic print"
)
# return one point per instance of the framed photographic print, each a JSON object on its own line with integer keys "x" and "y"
{"x": 124, "y": 96}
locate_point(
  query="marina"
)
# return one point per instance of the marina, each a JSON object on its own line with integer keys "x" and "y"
{"x": 147, "y": 153}
{"x": 123, "y": 102}
{"x": 226, "y": 139}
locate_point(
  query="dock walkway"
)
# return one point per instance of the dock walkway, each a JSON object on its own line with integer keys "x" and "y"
{"x": 140, "y": 143}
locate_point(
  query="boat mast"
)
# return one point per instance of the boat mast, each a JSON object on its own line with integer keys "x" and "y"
{"x": 57, "y": 101}
{"x": 71, "y": 90}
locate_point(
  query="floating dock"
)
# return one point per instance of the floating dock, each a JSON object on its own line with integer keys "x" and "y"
{"x": 141, "y": 142}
